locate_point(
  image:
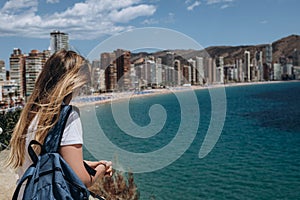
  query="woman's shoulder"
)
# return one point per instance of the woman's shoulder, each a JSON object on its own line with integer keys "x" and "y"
{"x": 75, "y": 114}
{"x": 76, "y": 110}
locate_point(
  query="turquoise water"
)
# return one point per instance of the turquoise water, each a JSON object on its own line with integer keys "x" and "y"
{"x": 256, "y": 157}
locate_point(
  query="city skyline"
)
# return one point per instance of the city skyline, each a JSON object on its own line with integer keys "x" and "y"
{"x": 116, "y": 71}
{"x": 88, "y": 23}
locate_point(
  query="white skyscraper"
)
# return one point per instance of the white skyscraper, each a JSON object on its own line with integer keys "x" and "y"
{"x": 158, "y": 68}
{"x": 277, "y": 71}
{"x": 200, "y": 70}
{"x": 59, "y": 40}
{"x": 220, "y": 69}
{"x": 178, "y": 73}
{"x": 240, "y": 72}
{"x": 259, "y": 62}
{"x": 247, "y": 64}
{"x": 193, "y": 70}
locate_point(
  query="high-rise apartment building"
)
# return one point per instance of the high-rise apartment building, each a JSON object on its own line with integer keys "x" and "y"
{"x": 148, "y": 72}
{"x": 296, "y": 57}
{"x": 140, "y": 72}
{"x": 110, "y": 78}
{"x": 123, "y": 69}
{"x": 34, "y": 63}
{"x": 106, "y": 59}
{"x": 95, "y": 75}
{"x": 24, "y": 69}
{"x": 186, "y": 74}
{"x": 209, "y": 70}
{"x": 259, "y": 63}
{"x": 269, "y": 53}
{"x": 99, "y": 84}
{"x": 220, "y": 69}
{"x": 178, "y": 71}
{"x": 108, "y": 64}
{"x": 247, "y": 65}
{"x": 17, "y": 71}
{"x": 269, "y": 61}
{"x": 59, "y": 40}
{"x": 193, "y": 71}
{"x": 150, "y": 69}
{"x": 2, "y": 71}
{"x": 169, "y": 71}
{"x": 148, "y": 63}
{"x": 200, "y": 70}
{"x": 240, "y": 71}
{"x": 158, "y": 71}
{"x": 277, "y": 71}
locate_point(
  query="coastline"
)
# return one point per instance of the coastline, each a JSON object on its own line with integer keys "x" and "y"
{"x": 121, "y": 96}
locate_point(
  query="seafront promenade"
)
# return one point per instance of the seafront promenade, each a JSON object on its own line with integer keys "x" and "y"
{"x": 119, "y": 96}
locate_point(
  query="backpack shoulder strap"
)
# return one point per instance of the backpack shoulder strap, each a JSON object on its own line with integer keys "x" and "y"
{"x": 53, "y": 138}
{"x": 31, "y": 152}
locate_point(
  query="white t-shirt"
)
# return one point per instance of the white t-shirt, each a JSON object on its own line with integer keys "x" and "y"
{"x": 72, "y": 135}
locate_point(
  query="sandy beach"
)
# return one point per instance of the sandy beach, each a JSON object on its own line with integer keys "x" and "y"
{"x": 120, "y": 96}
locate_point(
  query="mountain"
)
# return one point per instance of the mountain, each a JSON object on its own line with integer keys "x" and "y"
{"x": 282, "y": 47}
{"x": 286, "y": 46}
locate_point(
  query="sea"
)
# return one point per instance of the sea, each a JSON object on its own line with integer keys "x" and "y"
{"x": 253, "y": 134}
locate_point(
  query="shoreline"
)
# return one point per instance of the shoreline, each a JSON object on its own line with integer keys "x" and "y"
{"x": 121, "y": 96}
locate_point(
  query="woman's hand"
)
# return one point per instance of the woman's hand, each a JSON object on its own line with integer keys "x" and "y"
{"x": 73, "y": 156}
{"x": 96, "y": 165}
{"x": 92, "y": 164}
{"x": 108, "y": 167}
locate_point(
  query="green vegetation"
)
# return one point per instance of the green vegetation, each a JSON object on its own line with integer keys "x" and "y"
{"x": 8, "y": 121}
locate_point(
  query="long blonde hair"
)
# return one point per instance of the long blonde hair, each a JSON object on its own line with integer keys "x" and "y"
{"x": 62, "y": 73}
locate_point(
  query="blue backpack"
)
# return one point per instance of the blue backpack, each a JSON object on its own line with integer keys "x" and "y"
{"x": 50, "y": 177}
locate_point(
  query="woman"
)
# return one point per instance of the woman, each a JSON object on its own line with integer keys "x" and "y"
{"x": 63, "y": 73}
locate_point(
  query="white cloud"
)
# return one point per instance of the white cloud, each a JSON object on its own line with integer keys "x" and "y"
{"x": 195, "y": 4}
{"x": 223, "y": 3}
{"x": 52, "y": 1}
{"x": 129, "y": 13}
{"x": 218, "y": 1}
{"x": 213, "y": 1}
{"x": 89, "y": 19}
{"x": 263, "y": 22}
{"x": 224, "y": 6}
{"x": 150, "y": 21}
{"x": 19, "y": 6}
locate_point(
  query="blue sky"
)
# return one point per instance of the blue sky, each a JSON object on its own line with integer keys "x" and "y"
{"x": 26, "y": 24}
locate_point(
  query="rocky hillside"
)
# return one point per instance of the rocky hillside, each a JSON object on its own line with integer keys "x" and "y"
{"x": 286, "y": 46}
{"x": 282, "y": 47}
{"x": 231, "y": 53}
